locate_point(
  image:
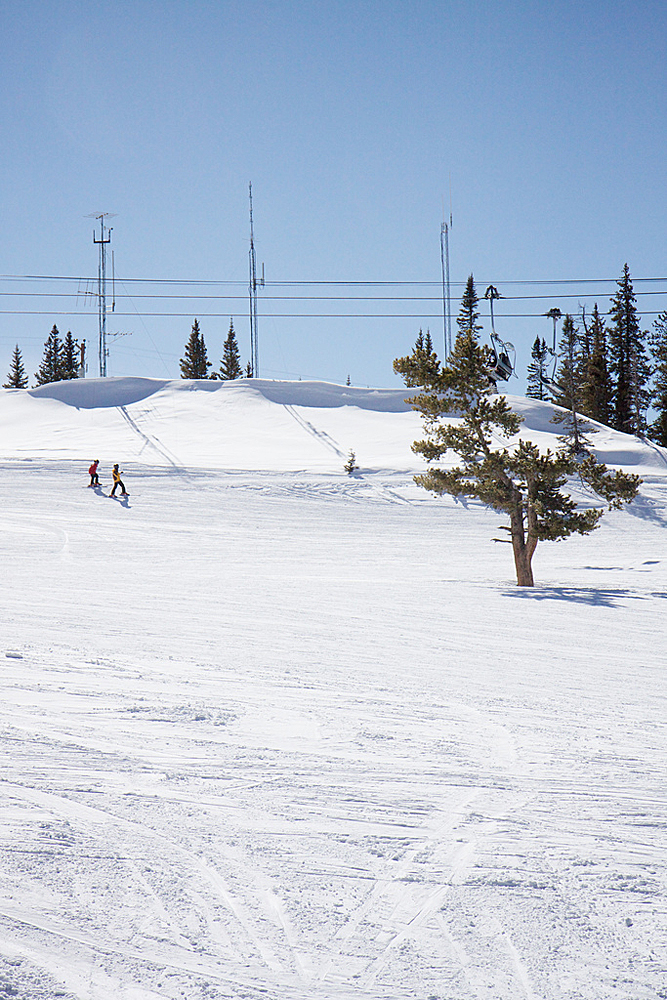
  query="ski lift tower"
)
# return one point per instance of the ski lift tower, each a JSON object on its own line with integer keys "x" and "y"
{"x": 554, "y": 314}
{"x": 103, "y": 242}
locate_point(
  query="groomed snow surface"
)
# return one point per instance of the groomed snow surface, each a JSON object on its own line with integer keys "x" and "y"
{"x": 272, "y": 731}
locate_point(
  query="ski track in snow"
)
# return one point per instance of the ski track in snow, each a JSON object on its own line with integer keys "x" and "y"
{"x": 149, "y": 440}
{"x": 278, "y": 735}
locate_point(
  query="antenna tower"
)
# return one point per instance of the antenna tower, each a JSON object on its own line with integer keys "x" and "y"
{"x": 252, "y": 288}
{"x": 446, "y": 291}
{"x": 102, "y": 287}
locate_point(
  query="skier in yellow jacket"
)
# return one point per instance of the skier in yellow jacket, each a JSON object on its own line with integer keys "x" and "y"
{"x": 117, "y": 481}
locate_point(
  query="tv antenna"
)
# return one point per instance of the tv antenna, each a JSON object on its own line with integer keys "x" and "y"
{"x": 102, "y": 242}
{"x": 252, "y": 288}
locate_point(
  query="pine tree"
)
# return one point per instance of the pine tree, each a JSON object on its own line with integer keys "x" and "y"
{"x": 17, "y": 378}
{"x": 640, "y": 377}
{"x": 203, "y": 364}
{"x": 189, "y": 360}
{"x": 568, "y": 389}
{"x": 658, "y": 344}
{"x": 50, "y": 369}
{"x": 627, "y": 360}
{"x": 468, "y": 317}
{"x": 596, "y": 387}
{"x": 526, "y": 485}
{"x": 537, "y": 370}
{"x": 351, "y": 465}
{"x": 422, "y": 364}
{"x": 195, "y": 363}
{"x": 230, "y": 367}
{"x": 566, "y": 385}
{"x": 69, "y": 357}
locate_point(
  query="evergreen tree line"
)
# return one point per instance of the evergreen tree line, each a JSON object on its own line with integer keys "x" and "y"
{"x": 61, "y": 360}
{"x": 195, "y": 363}
{"x": 608, "y": 369}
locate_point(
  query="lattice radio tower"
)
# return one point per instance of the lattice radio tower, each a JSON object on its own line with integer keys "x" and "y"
{"x": 103, "y": 242}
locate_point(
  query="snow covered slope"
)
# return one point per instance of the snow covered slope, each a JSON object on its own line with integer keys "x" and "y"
{"x": 246, "y": 424}
{"x": 287, "y": 733}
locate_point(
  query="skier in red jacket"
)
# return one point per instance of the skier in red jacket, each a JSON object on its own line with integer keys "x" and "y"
{"x": 92, "y": 472}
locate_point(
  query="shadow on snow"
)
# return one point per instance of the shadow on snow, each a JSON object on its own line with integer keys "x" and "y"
{"x": 579, "y": 595}
{"x": 648, "y": 509}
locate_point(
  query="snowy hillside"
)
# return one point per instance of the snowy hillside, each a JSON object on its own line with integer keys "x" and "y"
{"x": 247, "y": 424}
{"x": 273, "y": 731}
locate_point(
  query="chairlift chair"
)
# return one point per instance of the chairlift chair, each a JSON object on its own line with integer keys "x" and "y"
{"x": 503, "y": 365}
{"x": 504, "y": 358}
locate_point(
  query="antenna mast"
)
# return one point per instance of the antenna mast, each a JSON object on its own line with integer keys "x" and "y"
{"x": 446, "y": 293}
{"x": 102, "y": 290}
{"x": 252, "y": 288}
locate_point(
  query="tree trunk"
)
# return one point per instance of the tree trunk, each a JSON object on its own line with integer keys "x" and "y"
{"x": 523, "y": 553}
{"x": 524, "y": 571}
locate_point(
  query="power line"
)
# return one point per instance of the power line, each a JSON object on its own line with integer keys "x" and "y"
{"x": 224, "y": 315}
{"x": 326, "y": 282}
{"x": 304, "y": 298}
{"x": 272, "y": 293}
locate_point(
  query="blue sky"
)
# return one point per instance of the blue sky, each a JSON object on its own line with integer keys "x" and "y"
{"x": 350, "y": 119}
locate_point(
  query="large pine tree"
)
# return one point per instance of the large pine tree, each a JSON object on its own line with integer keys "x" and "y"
{"x": 627, "y": 360}
{"x": 658, "y": 344}
{"x": 527, "y": 485}
{"x": 195, "y": 363}
{"x": 17, "y": 378}
{"x": 468, "y": 317}
{"x": 568, "y": 389}
{"x": 230, "y": 367}
{"x": 69, "y": 357}
{"x": 51, "y": 368}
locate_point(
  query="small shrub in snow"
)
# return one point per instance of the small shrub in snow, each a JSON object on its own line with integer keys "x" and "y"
{"x": 351, "y": 465}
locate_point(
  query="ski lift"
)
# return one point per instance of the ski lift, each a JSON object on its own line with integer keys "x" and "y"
{"x": 554, "y": 314}
{"x": 504, "y": 353}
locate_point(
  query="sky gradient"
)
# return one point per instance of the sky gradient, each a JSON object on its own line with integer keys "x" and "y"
{"x": 351, "y": 120}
